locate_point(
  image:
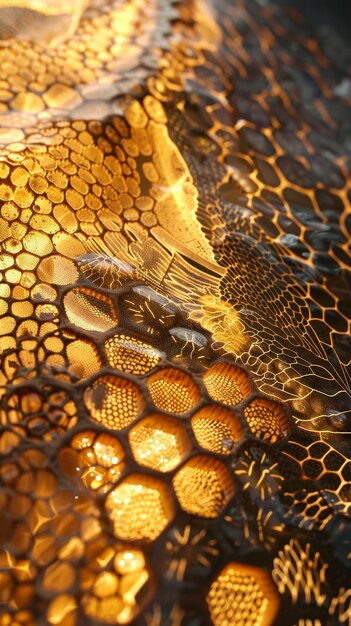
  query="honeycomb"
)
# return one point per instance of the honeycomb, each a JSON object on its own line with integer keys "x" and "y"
{"x": 203, "y": 486}
{"x": 174, "y": 315}
{"x": 266, "y": 419}
{"x": 159, "y": 442}
{"x": 216, "y": 429}
{"x": 113, "y": 401}
{"x": 243, "y": 596}
{"x": 226, "y": 383}
{"x": 140, "y": 508}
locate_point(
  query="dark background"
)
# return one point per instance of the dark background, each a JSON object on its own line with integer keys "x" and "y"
{"x": 319, "y": 12}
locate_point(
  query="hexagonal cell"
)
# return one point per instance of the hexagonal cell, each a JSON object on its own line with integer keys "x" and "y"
{"x": 116, "y": 594}
{"x": 113, "y": 401}
{"x": 89, "y": 310}
{"x": 128, "y": 354}
{"x": 267, "y": 420}
{"x": 159, "y": 442}
{"x": 227, "y": 383}
{"x": 216, "y": 429}
{"x": 83, "y": 357}
{"x": 173, "y": 391}
{"x": 243, "y": 595}
{"x": 99, "y": 458}
{"x": 140, "y": 508}
{"x": 203, "y": 486}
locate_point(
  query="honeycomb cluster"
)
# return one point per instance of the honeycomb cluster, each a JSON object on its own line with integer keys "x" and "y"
{"x": 174, "y": 316}
{"x": 144, "y": 439}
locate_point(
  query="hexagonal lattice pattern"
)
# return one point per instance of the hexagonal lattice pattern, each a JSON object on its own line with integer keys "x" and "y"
{"x": 217, "y": 429}
{"x": 203, "y": 486}
{"x": 140, "y": 508}
{"x": 242, "y": 595}
{"x": 174, "y": 232}
{"x": 159, "y": 442}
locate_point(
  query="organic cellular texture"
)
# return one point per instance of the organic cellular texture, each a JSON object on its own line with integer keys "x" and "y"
{"x": 175, "y": 315}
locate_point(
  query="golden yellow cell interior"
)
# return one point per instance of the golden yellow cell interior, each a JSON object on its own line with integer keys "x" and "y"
{"x": 159, "y": 442}
{"x": 227, "y": 383}
{"x": 203, "y": 486}
{"x": 118, "y": 592}
{"x": 83, "y": 358}
{"x": 57, "y": 270}
{"x": 216, "y": 429}
{"x": 267, "y": 419}
{"x": 173, "y": 391}
{"x": 62, "y": 609}
{"x": 98, "y": 458}
{"x": 140, "y": 508}
{"x": 54, "y": 414}
{"x": 113, "y": 401}
{"x": 242, "y": 595}
{"x": 128, "y": 354}
{"x": 89, "y": 310}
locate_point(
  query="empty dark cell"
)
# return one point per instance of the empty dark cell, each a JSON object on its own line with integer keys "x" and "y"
{"x": 312, "y": 469}
{"x": 326, "y": 171}
{"x": 333, "y": 461}
{"x": 224, "y": 116}
{"x": 318, "y": 450}
{"x": 295, "y": 171}
{"x": 321, "y": 296}
{"x": 254, "y": 140}
{"x": 289, "y": 228}
{"x": 319, "y": 328}
{"x": 324, "y": 263}
{"x": 345, "y": 493}
{"x": 266, "y": 173}
{"x": 330, "y": 204}
{"x": 263, "y": 207}
{"x": 269, "y": 228}
{"x": 325, "y": 143}
{"x": 273, "y": 198}
{"x": 252, "y": 111}
{"x": 297, "y": 452}
{"x": 279, "y": 111}
{"x": 254, "y": 83}
{"x": 336, "y": 321}
{"x": 329, "y": 481}
{"x": 343, "y": 256}
{"x": 290, "y": 143}
{"x": 301, "y": 207}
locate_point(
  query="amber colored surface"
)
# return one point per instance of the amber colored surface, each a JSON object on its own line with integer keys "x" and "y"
{"x": 242, "y": 596}
{"x": 174, "y": 316}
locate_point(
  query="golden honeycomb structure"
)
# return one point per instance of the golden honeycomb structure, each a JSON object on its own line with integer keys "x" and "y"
{"x": 175, "y": 319}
